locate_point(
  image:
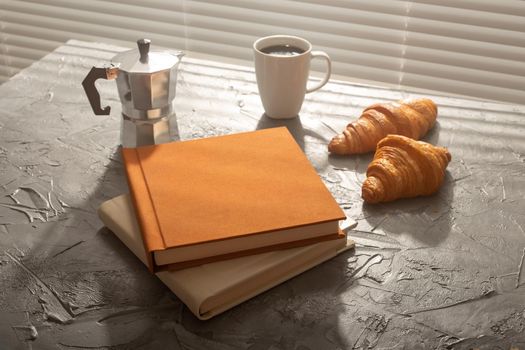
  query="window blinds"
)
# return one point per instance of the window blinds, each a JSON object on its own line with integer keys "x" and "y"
{"x": 469, "y": 47}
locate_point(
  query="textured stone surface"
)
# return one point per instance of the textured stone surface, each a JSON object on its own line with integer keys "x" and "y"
{"x": 439, "y": 272}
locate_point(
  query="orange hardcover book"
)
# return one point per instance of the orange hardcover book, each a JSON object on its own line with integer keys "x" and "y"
{"x": 222, "y": 197}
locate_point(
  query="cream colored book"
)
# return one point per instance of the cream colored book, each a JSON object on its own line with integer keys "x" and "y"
{"x": 210, "y": 289}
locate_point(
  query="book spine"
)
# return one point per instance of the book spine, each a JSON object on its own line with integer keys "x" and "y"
{"x": 143, "y": 204}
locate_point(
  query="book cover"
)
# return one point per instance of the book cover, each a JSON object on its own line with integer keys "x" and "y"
{"x": 213, "y": 288}
{"x": 238, "y": 193}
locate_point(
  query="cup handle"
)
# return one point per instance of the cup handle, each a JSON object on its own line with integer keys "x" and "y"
{"x": 323, "y": 82}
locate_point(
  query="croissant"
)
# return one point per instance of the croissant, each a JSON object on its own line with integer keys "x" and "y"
{"x": 402, "y": 168}
{"x": 408, "y": 117}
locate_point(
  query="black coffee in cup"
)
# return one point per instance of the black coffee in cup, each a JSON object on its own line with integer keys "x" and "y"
{"x": 282, "y": 50}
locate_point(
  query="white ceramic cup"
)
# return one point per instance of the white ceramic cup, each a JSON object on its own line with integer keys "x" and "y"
{"x": 282, "y": 79}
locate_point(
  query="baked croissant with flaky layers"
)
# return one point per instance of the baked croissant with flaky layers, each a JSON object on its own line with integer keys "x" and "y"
{"x": 402, "y": 168}
{"x": 408, "y": 117}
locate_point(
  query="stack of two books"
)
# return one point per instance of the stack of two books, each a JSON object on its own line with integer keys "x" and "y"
{"x": 222, "y": 219}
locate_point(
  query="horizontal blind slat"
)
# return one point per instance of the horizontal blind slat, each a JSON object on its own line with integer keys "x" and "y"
{"x": 468, "y": 32}
{"x": 151, "y": 4}
{"x": 463, "y": 88}
{"x": 263, "y": 12}
{"x": 29, "y": 42}
{"x": 482, "y": 19}
{"x": 64, "y": 30}
{"x": 231, "y": 19}
{"x": 99, "y": 10}
{"x": 36, "y": 33}
{"x": 393, "y": 7}
{"x": 472, "y": 47}
{"x": 462, "y": 74}
{"x": 79, "y": 19}
{"x": 457, "y": 59}
{"x": 16, "y": 62}
{"x": 510, "y": 7}
{"x": 23, "y": 52}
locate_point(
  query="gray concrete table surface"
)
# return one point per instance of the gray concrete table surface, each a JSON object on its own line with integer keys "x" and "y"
{"x": 443, "y": 272}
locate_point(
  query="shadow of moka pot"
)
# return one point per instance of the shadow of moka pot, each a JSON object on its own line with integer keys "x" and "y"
{"x": 146, "y": 82}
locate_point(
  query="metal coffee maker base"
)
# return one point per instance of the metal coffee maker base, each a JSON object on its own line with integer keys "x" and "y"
{"x": 135, "y": 133}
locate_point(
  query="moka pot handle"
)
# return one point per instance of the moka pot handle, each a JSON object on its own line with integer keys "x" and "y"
{"x": 108, "y": 73}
